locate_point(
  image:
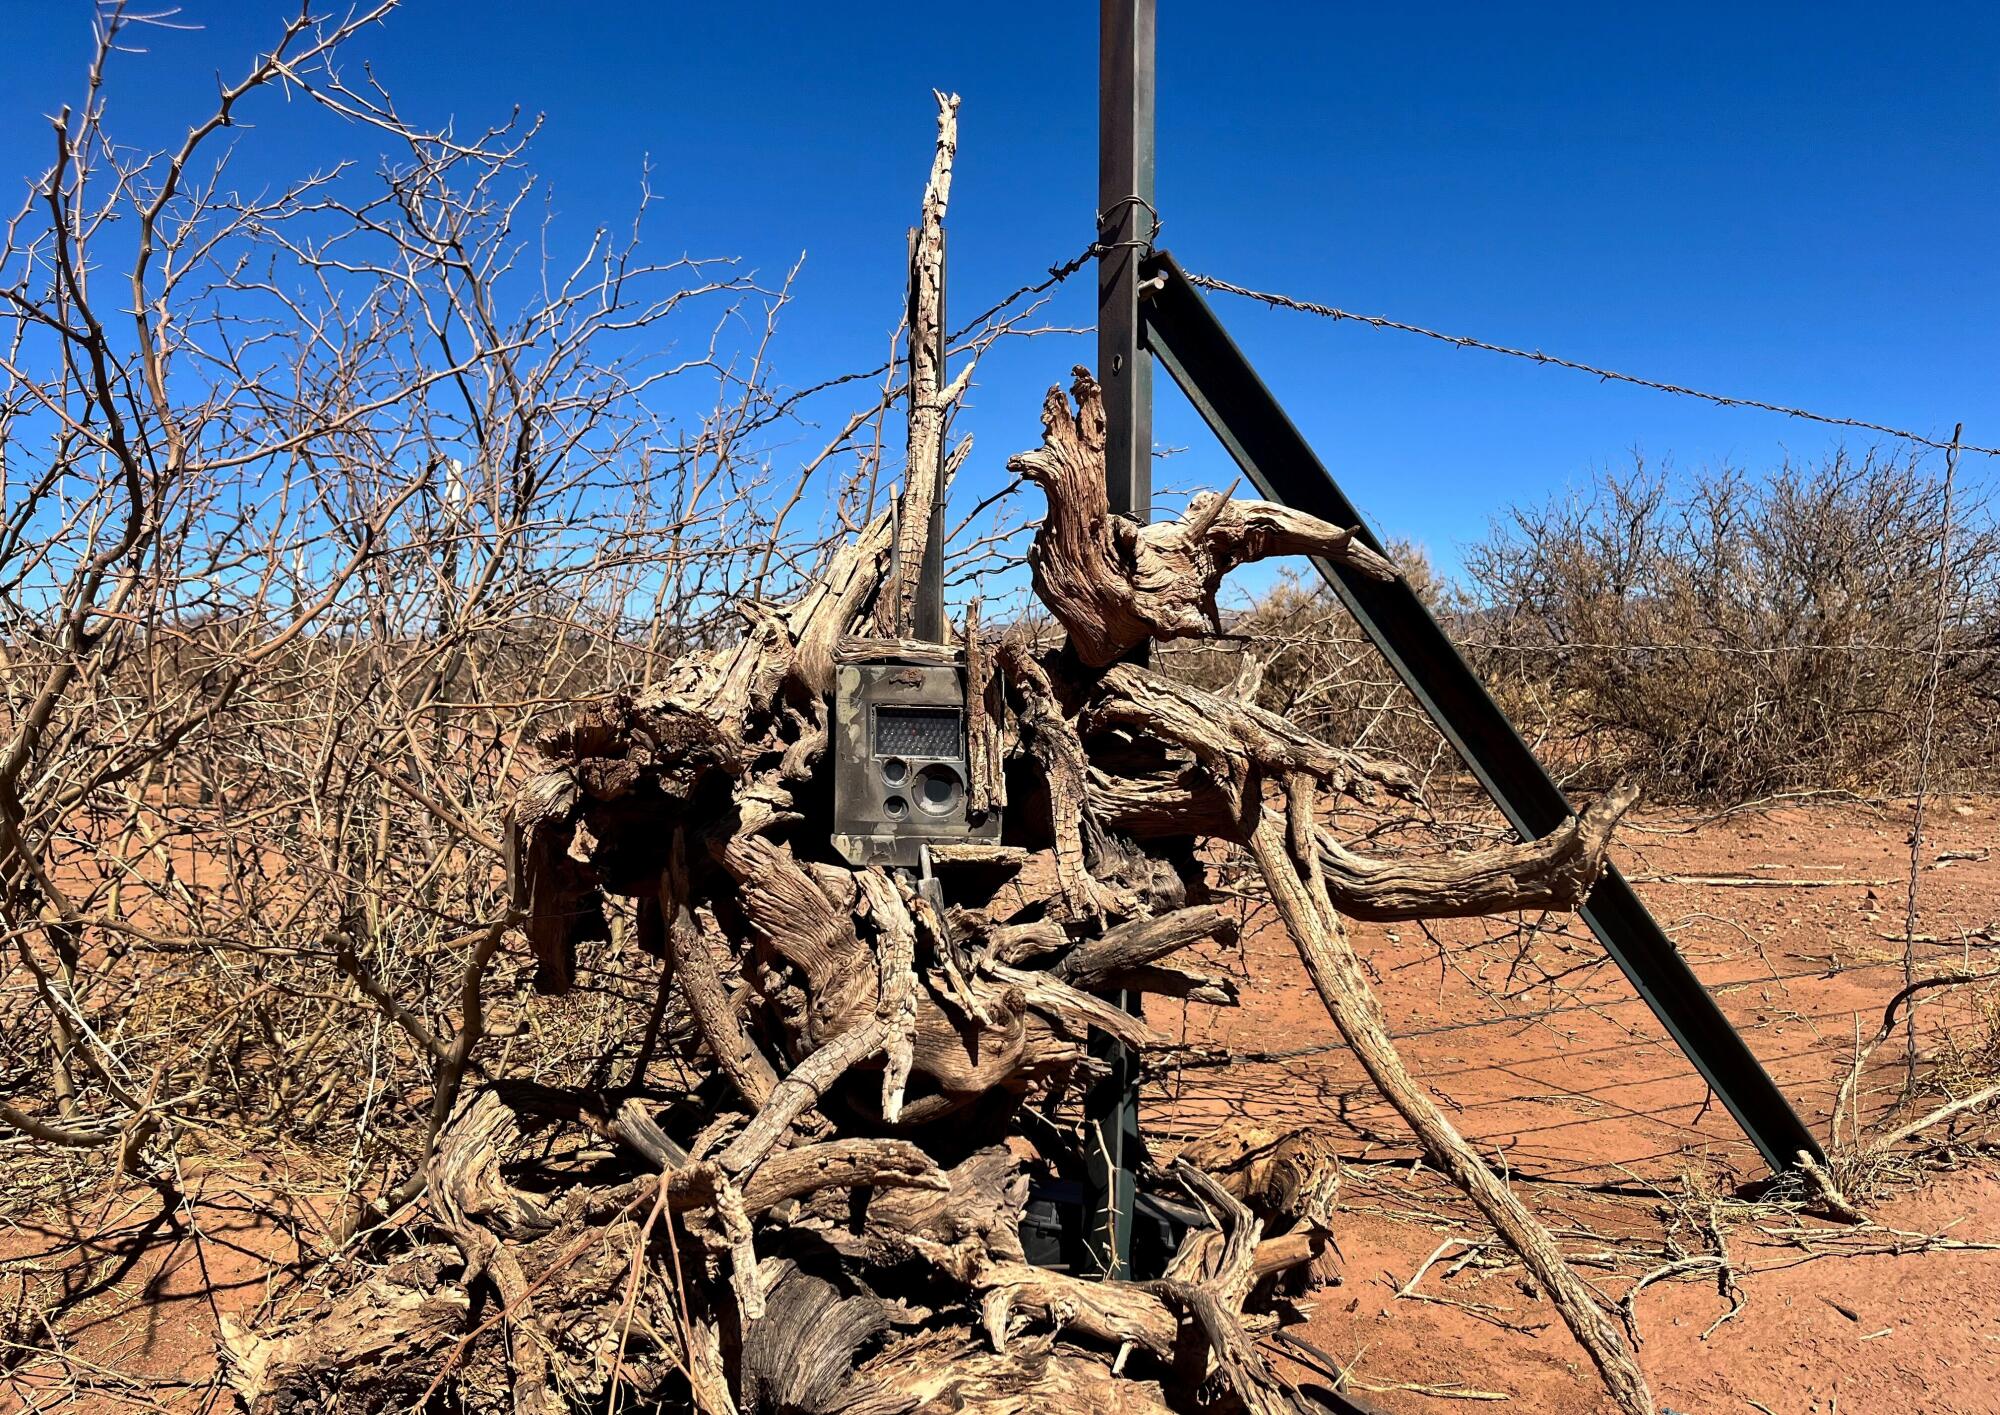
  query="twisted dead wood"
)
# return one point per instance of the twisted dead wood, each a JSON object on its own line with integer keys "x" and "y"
{"x": 1114, "y": 583}
{"x": 827, "y": 1211}
{"x": 1290, "y": 869}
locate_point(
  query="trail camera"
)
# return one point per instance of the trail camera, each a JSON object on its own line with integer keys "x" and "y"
{"x": 901, "y": 771}
{"x": 901, "y": 764}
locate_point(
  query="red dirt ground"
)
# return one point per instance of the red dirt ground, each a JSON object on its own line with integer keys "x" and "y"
{"x": 1568, "y": 1082}
{"x": 1594, "y": 1097}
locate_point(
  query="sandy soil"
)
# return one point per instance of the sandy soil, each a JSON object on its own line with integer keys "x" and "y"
{"x": 131, "y": 1288}
{"x": 1574, "y": 1087}
{"x": 1565, "y": 1079}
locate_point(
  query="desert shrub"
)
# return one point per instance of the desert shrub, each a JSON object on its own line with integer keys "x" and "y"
{"x": 1725, "y": 637}
{"x": 1318, "y": 668}
{"x": 1717, "y": 637}
{"x": 290, "y": 572}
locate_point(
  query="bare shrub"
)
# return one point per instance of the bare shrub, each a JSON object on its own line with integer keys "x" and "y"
{"x": 313, "y": 498}
{"x": 1731, "y": 637}
{"x": 1719, "y": 637}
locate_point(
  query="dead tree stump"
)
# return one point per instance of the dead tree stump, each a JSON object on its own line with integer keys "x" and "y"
{"x": 831, "y": 1219}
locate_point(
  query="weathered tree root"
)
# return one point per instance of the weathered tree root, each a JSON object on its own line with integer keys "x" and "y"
{"x": 1292, "y": 876}
{"x": 1114, "y": 583}
{"x": 831, "y": 1218}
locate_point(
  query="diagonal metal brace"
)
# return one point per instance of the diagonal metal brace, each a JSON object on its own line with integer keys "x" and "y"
{"x": 1184, "y": 333}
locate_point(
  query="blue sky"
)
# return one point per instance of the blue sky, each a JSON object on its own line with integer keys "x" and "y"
{"x": 1797, "y": 202}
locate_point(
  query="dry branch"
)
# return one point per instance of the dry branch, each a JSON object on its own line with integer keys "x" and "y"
{"x": 1114, "y": 583}
{"x": 1291, "y": 872}
{"x": 826, "y": 1212}
{"x": 930, "y": 398}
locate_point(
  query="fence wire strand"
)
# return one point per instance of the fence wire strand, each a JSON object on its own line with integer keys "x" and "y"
{"x": 1199, "y": 1056}
{"x": 1466, "y": 341}
{"x": 1926, "y": 743}
{"x": 1058, "y": 273}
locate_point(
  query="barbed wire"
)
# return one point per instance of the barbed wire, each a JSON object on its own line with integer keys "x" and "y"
{"x": 1063, "y": 270}
{"x": 1466, "y": 341}
{"x": 1057, "y": 273}
{"x": 1228, "y": 642}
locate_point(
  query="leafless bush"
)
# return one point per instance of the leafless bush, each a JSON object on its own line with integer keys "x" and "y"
{"x": 1722, "y": 637}
{"x": 313, "y": 498}
{"x": 1732, "y": 637}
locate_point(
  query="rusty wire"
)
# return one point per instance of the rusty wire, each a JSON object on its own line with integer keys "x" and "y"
{"x": 1061, "y": 271}
{"x": 1466, "y": 341}
{"x": 1058, "y": 272}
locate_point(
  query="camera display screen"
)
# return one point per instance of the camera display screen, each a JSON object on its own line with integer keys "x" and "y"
{"x": 918, "y": 732}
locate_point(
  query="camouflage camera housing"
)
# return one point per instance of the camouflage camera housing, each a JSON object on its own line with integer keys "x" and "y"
{"x": 901, "y": 767}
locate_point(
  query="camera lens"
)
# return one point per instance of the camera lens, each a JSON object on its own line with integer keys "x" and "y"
{"x": 939, "y": 790}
